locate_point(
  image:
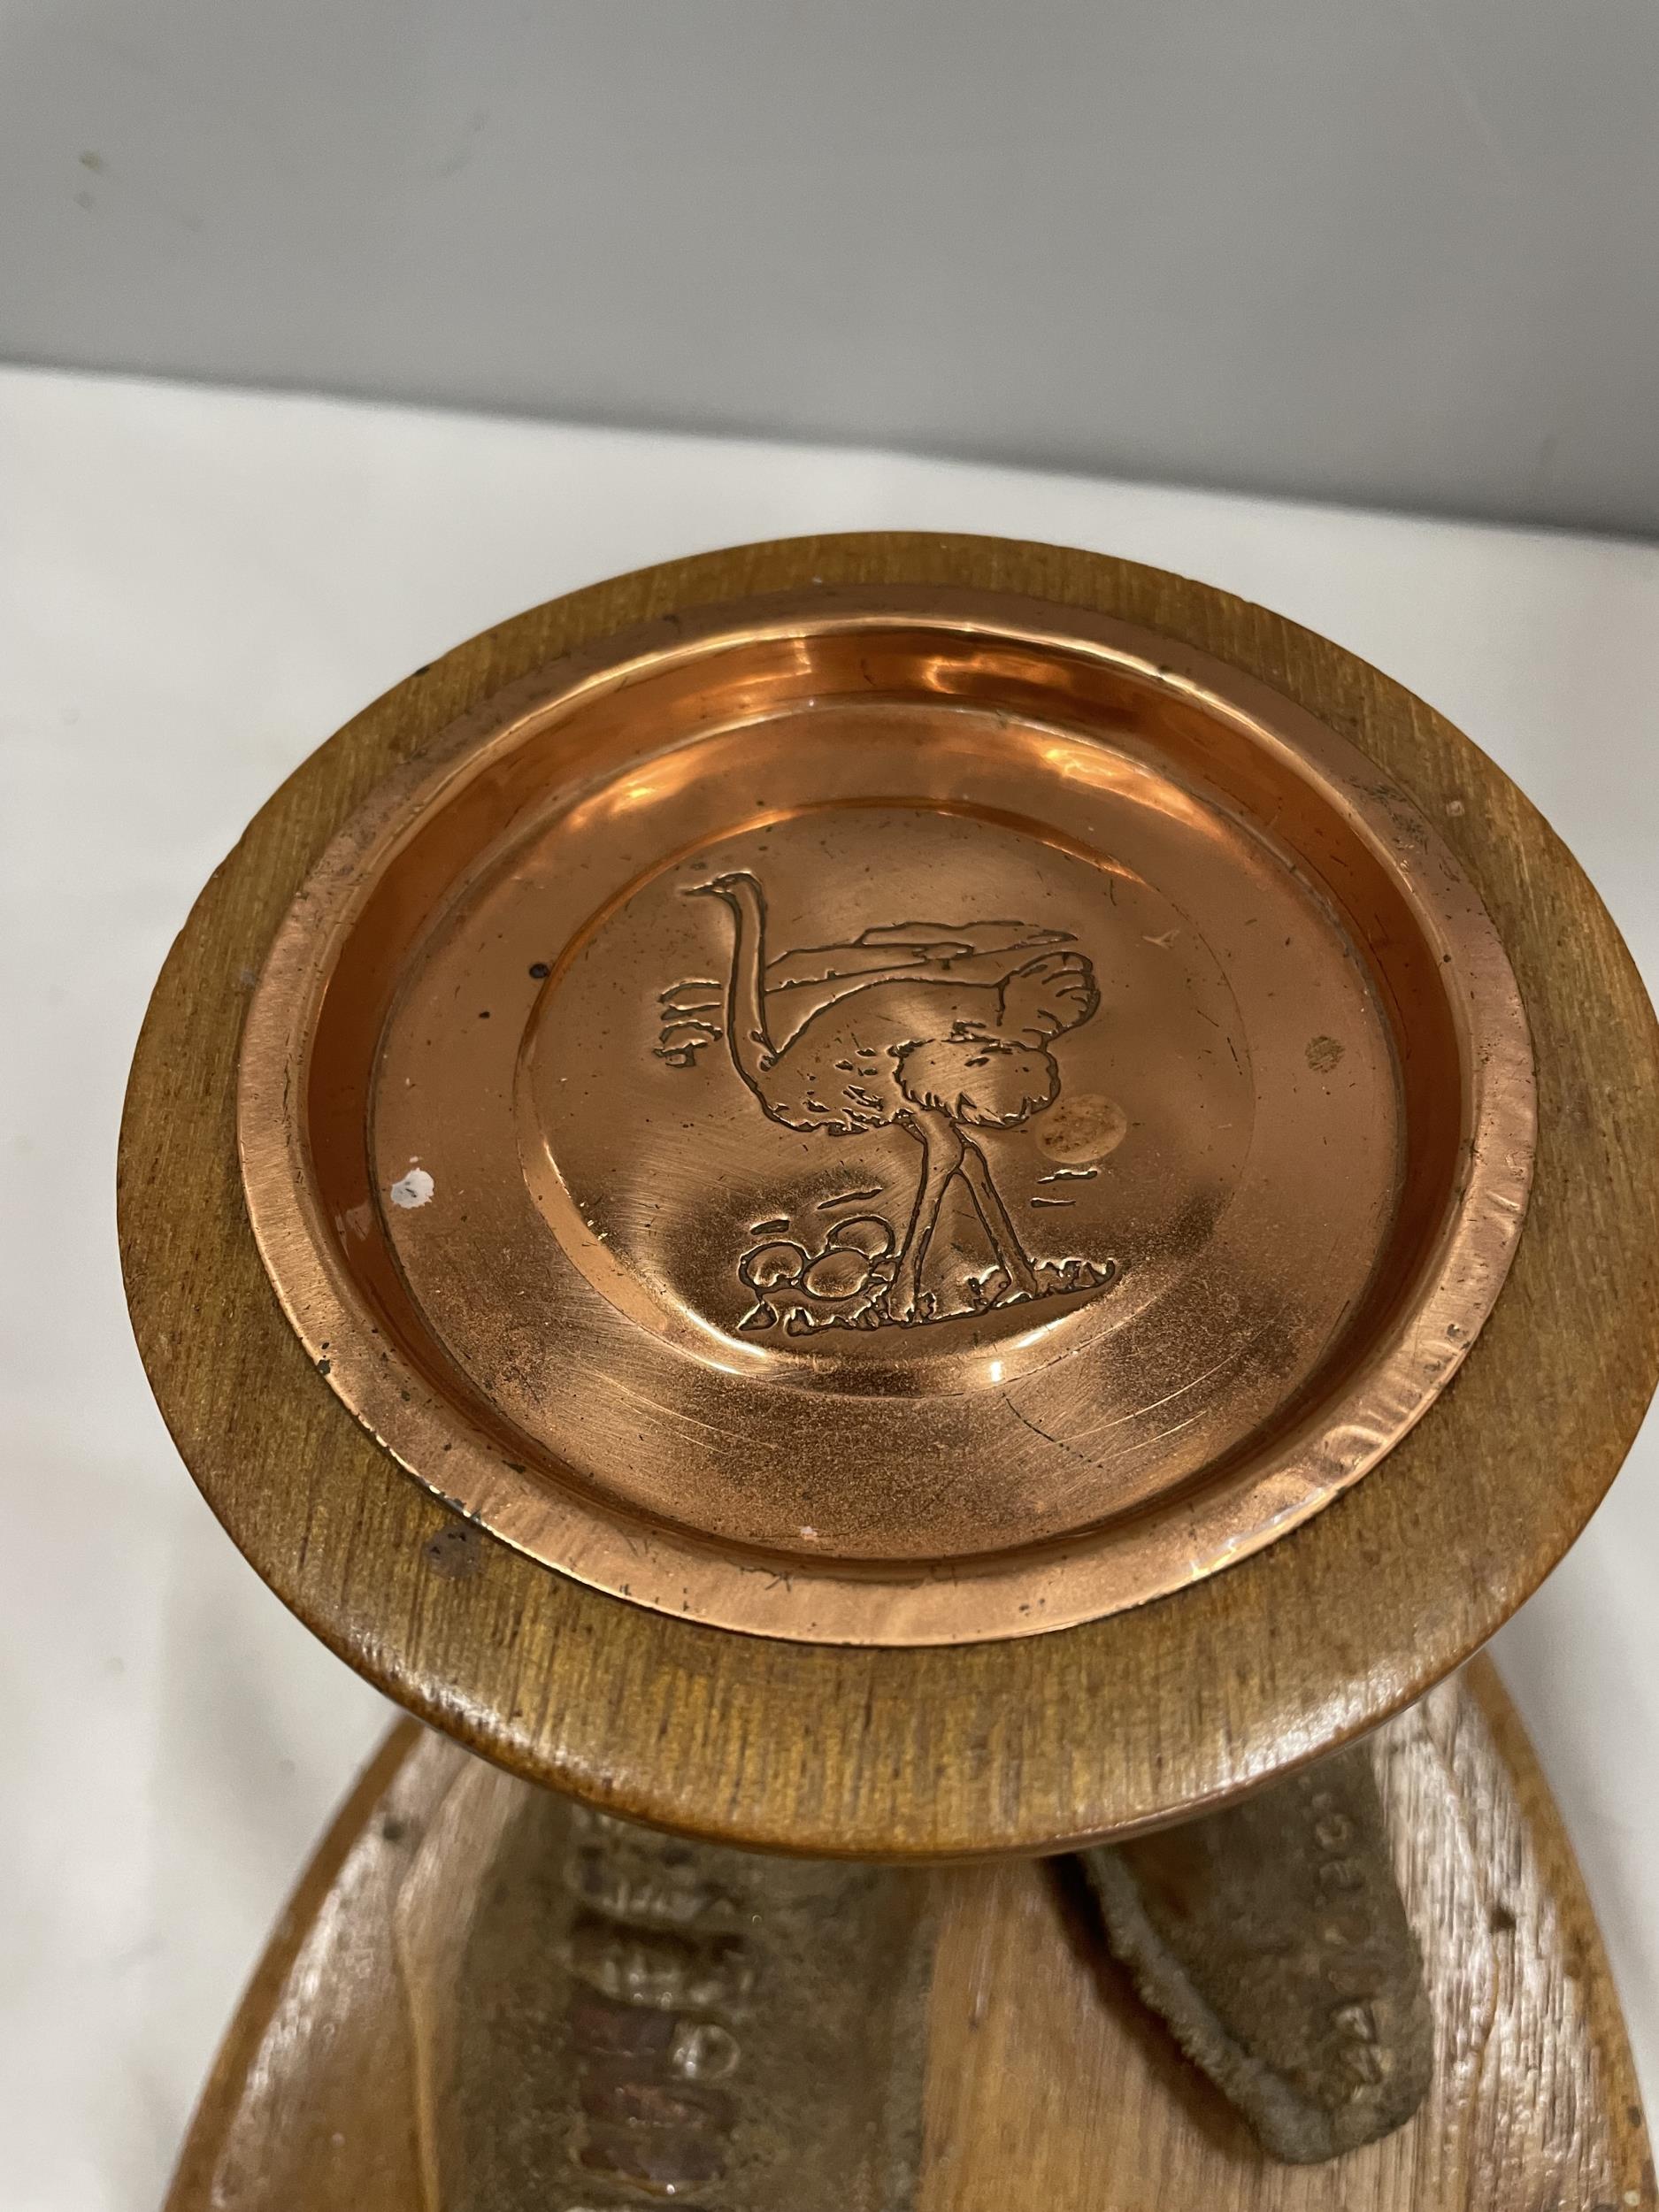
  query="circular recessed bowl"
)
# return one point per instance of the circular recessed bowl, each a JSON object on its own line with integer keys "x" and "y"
{"x": 894, "y": 1118}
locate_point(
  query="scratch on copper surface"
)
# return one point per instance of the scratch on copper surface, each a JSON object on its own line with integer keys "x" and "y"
{"x": 684, "y": 1419}
{"x": 1140, "y": 1412}
{"x": 1061, "y": 1443}
{"x": 1158, "y": 1435}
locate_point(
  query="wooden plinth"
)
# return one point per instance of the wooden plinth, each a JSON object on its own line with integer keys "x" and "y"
{"x": 1044, "y": 2083}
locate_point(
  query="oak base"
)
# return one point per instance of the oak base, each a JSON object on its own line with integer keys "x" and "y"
{"x": 1004, "y": 2063}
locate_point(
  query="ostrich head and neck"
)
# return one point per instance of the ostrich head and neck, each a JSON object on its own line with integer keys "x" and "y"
{"x": 745, "y": 1030}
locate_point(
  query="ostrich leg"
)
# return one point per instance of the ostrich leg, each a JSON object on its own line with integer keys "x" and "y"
{"x": 942, "y": 1155}
{"x": 1010, "y": 1253}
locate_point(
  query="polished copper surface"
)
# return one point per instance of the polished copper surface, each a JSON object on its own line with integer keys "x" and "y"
{"x": 887, "y": 1117}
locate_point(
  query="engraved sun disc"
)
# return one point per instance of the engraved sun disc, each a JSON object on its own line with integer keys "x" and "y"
{"x": 887, "y": 1117}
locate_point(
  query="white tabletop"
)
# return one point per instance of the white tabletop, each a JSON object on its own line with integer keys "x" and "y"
{"x": 196, "y": 588}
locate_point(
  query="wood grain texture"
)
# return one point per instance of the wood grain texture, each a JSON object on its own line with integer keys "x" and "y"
{"x": 930, "y": 1753}
{"x": 1064, "y": 2084}
{"x": 1046, "y": 2084}
{"x": 325, "y": 1983}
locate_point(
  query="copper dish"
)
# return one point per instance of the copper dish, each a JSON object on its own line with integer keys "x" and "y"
{"x": 887, "y": 1118}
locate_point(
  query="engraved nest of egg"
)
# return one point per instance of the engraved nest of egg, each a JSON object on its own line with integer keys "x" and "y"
{"x": 844, "y": 1283}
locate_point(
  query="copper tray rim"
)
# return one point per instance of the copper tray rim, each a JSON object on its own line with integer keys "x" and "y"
{"x": 1412, "y": 1361}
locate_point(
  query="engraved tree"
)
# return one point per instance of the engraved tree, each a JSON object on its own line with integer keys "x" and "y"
{"x": 938, "y": 1028}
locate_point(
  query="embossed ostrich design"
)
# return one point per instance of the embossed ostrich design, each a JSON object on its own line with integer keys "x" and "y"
{"x": 941, "y": 1028}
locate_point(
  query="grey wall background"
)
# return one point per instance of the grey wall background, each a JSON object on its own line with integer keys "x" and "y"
{"x": 1400, "y": 250}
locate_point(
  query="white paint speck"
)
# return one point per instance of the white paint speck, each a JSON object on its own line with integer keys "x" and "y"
{"x": 413, "y": 1189}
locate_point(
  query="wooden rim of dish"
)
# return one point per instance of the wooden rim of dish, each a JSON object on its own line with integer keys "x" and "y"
{"x": 1299, "y": 1241}
{"x": 1015, "y": 1746}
